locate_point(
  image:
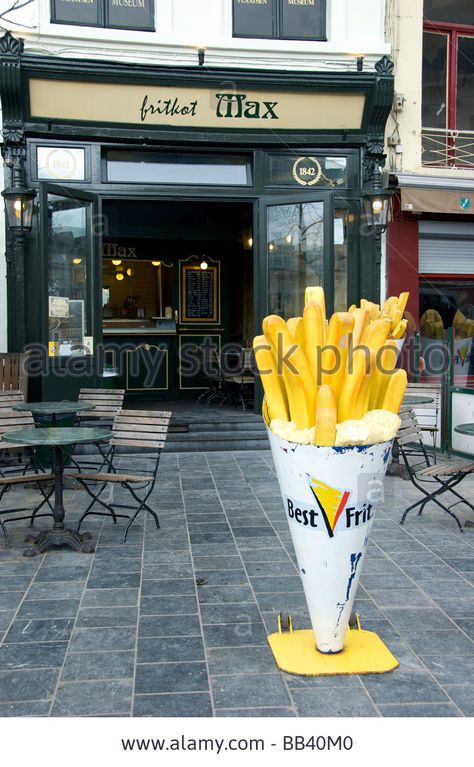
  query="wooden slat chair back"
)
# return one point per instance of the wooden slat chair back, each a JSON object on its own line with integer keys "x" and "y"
{"x": 107, "y": 403}
{"x": 12, "y": 377}
{"x": 428, "y": 414}
{"x": 133, "y": 431}
{"x": 424, "y": 473}
{"x": 12, "y": 420}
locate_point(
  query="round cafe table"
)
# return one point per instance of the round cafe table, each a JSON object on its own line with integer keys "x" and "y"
{"x": 417, "y": 399}
{"x": 58, "y": 438}
{"x": 53, "y": 409}
{"x": 465, "y": 428}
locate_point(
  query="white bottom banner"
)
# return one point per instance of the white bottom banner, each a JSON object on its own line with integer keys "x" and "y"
{"x": 308, "y": 741}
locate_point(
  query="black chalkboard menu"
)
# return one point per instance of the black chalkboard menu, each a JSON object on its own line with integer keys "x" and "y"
{"x": 80, "y": 12}
{"x": 284, "y": 19}
{"x": 199, "y": 294}
{"x": 303, "y": 19}
{"x": 130, "y": 14}
{"x": 255, "y": 18}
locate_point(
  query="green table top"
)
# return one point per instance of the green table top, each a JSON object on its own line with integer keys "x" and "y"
{"x": 417, "y": 399}
{"x": 53, "y": 408}
{"x": 465, "y": 428}
{"x": 54, "y": 435}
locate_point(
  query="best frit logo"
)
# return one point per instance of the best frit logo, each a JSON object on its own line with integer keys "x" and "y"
{"x": 331, "y": 502}
{"x": 463, "y": 353}
{"x": 330, "y": 510}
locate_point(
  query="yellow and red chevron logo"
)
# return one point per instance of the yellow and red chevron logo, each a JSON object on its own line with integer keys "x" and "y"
{"x": 331, "y": 502}
{"x": 462, "y": 351}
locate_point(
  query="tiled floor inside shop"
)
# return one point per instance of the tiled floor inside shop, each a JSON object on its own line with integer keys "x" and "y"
{"x": 174, "y": 621}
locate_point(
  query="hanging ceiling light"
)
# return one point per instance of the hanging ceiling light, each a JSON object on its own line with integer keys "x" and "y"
{"x": 77, "y": 261}
{"x": 116, "y": 261}
{"x": 156, "y": 263}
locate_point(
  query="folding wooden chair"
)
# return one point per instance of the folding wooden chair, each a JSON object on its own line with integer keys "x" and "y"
{"x": 428, "y": 414}
{"x": 438, "y": 478}
{"x": 107, "y": 402}
{"x": 145, "y": 432}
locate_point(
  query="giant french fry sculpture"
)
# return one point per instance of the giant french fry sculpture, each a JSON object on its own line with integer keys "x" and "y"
{"x": 332, "y": 396}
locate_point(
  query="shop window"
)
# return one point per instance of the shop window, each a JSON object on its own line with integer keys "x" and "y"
{"x": 299, "y": 171}
{"x": 448, "y": 83}
{"x": 280, "y": 19}
{"x": 115, "y": 14}
{"x": 154, "y": 168}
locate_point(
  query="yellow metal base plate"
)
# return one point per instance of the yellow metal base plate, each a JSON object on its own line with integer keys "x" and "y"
{"x": 363, "y": 653}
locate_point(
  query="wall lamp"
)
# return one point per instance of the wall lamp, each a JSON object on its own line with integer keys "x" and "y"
{"x": 18, "y": 201}
{"x": 377, "y": 206}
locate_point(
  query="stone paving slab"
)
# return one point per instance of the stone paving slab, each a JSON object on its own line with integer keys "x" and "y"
{"x": 174, "y": 622}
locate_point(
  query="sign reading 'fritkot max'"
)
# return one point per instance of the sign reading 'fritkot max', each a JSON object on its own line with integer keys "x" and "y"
{"x": 194, "y": 107}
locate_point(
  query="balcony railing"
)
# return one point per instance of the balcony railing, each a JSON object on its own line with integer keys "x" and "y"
{"x": 442, "y": 148}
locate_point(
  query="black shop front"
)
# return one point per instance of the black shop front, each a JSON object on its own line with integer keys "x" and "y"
{"x": 175, "y": 207}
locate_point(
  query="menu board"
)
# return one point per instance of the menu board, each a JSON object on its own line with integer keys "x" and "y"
{"x": 199, "y": 294}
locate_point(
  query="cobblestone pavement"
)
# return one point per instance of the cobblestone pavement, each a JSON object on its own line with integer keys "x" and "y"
{"x": 174, "y": 622}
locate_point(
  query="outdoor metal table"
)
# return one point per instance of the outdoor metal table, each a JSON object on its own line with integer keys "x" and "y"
{"x": 465, "y": 428}
{"x": 53, "y": 409}
{"x": 417, "y": 399}
{"x": 57, "y": 438}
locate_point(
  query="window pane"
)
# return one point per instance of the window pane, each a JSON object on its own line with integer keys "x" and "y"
{"x": 303, "y": 19}
{"x": 67, "y": 276}
{"x": 434, "y": 81}
{"x": 340, "y": 261}
{"x": 130, "y": 14}
{"x": 254, "y": 18}
{"x": 151, "y": 168}
{"x": 75, "y": 13}
{"x": 298, "y": 170}
{"x": 295, "y": 243}
{"x": 451, "y": 11}
{"x": 465, "y": 95}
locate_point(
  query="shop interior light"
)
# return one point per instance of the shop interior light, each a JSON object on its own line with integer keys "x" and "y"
{"x": 129, "y": 271}
{"x": 288, "y": 239}
{"x": 77, "y": 261}
{"x": 250, "y": 242}
{"x": 120, "y": 276}
{"x": 271, "y": 246}
{"x": 116, "y": 261}
{"x": 204, "y": 265}
{"x": 156, "y": 263}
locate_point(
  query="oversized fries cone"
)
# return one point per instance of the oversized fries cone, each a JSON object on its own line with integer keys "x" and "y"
{"x": 330, "y": 496}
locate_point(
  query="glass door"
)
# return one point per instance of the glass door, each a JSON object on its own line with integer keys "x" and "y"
{"x": 71, "y": 298}
{"x": 297, "y": 242}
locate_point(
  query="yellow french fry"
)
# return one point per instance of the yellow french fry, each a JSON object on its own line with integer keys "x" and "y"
{"x": 326, "y": 417}
{"x": 276, "y": 332}
{"x": 352, "y": 384}
{"x": 395, "y": 391}
{"x": 375, "y": 335}
{"x": 403, "y": 300}
{"x": 301, "y": 411}
{"x": 361, "y": 321}
{"x": 385, "y": 362}
{"x": 374, "y": 312}
{"x": 400, "y": 330}
{"x": 352, "y": 308}
{"x": 334, "y": 355}
{"x": 297, "y": 360}
{"x": 361, "y": 404}
{"x": 313, "y": 335}
{"x": 316, "y": 294}
{"x": 272, "y": 383}
{"x": 396, "y": 315}
{"x": 295, "y": 326}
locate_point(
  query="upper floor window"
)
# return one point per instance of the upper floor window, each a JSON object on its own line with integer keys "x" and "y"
{"x": 280, "y": 19}
{"x": 115, "y": 14}
{"x": 448, "y": 83}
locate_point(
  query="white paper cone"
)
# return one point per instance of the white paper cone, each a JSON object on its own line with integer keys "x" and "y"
{"x": 330, "y": 495}
{"x": 399, "y": 342}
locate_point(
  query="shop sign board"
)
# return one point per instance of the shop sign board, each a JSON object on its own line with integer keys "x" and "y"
{"x": 181, "y": 107}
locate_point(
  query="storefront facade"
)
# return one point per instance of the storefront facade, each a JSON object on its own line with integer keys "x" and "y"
{"x": 177, "y": 206}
